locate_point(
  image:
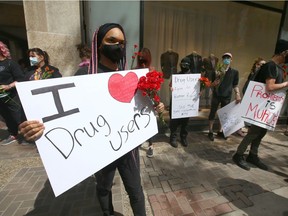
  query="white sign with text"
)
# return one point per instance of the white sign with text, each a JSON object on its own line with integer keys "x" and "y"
{"x": 90, "y": 121}
{"x": 185, "y": 95}
{"x": 260, "y": 107}
{"x": 230, "y": 118}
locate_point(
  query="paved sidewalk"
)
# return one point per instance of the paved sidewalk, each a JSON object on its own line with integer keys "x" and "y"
{"x": 199, "y": 180}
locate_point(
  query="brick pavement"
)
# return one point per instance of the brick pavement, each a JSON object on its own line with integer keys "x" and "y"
{"x": 198, "y": 180}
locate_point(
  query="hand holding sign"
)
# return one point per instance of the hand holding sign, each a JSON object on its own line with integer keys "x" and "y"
{"x": 73, "y": 139}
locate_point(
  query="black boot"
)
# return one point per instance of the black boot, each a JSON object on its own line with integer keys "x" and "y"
{"x": 184, "y": 142}
{"x": 240, "y": 161}
{"x": 173, "y": 141}
{"x": 254, "y": 159}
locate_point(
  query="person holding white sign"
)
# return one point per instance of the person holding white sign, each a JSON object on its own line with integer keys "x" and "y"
{"x": 271, "y": 74}
{"x": 185, "y": 65}
{"x": 108, "y": 54}
{"x": 224, "y": 80}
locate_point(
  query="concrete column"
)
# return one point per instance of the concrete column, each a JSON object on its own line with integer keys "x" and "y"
{"x": 54, "y": 26}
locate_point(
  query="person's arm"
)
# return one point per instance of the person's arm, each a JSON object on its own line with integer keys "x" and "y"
{"x": 160, "y": 107}
{"x": 237, "y": 94}
{"x": 236, "y": 88}
{"x": 16, "y": 73}
{"x": 272, "y": 86}
{"x": 8, "y": 87}
{"x": 31, "y": 130}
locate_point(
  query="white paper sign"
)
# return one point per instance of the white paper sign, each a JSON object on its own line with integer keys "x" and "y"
{"x": 260, "y": 107}
{"x": 230, "y": 118}
{"x": 90, "y": 121}
{"x": 185, "y": 95}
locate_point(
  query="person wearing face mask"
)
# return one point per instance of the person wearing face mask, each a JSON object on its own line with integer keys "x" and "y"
{"x": 270, "y": 74}
{"x": 224, "y": 80}
{"x": 185, "y": 66}
{"x": 108, "y": 54}
{"x": 40, "y": 67}
{"x": 10, "y": 106}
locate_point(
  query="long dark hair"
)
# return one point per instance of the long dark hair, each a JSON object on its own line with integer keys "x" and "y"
{"x": 41, "y": 52}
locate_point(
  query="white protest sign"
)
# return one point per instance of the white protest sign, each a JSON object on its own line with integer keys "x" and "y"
{"x": 260, "y": 107}
{"x": 90, "y": 121}
{"x": 230, "y": 118}
{"x": 185, "y": 95}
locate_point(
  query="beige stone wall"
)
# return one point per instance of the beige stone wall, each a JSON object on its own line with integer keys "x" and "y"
{"x": 54, "y": 26}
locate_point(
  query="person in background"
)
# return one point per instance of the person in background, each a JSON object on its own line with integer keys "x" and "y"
{"x": 85, "y": 55}
{"x": 258, "y": 62}
{"x": 270, "y": 74}
{"x": 10, "y": 106}
{"x": 144, "y": 61}
{"x": 185, "y": 66}
{"x": 209, "y": 65}
{"x": 40, "y": 67}
{"x": 108, "y": 54}
{"x": 224, "y": 80}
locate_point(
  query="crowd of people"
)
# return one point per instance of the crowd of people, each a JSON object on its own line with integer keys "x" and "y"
{"x": 108, "y": 53}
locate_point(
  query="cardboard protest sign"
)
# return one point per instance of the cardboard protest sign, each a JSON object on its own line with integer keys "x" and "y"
{"x": 230, "y": 118}
{"x": 260, "y": 107}
{"x": 185, "y": 95}
{"x": 90, "y": 121}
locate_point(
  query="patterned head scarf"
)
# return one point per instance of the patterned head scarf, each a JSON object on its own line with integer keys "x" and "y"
{"x": 98, "y": 37}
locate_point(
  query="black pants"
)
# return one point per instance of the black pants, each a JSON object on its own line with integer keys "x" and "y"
{"x": 129, "y": 169}
{"x": 215, "y": 102}
{"x": 11, "y": 111}
{"x": 175, "y": 123}
{"x": 254, "y": 136}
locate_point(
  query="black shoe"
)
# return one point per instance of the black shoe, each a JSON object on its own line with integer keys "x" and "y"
{"x": 173, "y": 142}
{"x": 254, "y": 159}
{"x": 184, "y": 142}
{"x": 211, "y": 136}
{"x": 240, "y": 161}
{"x": 221, "y": 134}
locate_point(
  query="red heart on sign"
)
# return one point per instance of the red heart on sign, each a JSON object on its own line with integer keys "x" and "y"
{"x": 122, "y": 88}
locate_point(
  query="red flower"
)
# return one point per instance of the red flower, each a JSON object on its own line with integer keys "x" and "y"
{"x": 135, "y": 54}
{"x": 150, "y": 86}
{"x": 204, "y": 83}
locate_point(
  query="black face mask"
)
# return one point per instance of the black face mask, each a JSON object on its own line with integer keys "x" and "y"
{"x": 184, "y": 69}
{"x": 113, "y": 52}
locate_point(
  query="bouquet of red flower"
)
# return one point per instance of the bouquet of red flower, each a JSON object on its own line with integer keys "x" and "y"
{"x": 150, "y": 86}
{"x": 204, "y": 83}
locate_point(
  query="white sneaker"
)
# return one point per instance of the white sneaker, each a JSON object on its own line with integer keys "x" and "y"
{"x": 8, "y": 140}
